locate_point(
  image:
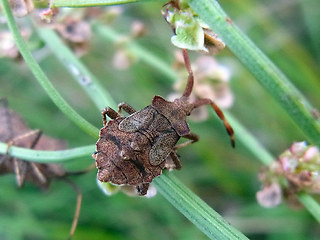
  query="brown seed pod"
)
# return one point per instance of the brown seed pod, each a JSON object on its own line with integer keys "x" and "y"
{"x": 133, "y": 150}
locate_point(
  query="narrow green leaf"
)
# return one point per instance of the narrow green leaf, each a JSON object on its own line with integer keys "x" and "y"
{"x": 42, "y": 78}
{"x": 311, "y": 205}
{"x": 197, "y": 211}
{"x": 267, "y": 74}
{"x": 92, "y": 3}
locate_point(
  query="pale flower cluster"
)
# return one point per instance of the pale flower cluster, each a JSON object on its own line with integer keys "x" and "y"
{"x": 297, "y": 169}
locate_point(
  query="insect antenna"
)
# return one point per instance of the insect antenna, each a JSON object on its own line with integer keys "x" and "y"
{"x": 205, "y": 101}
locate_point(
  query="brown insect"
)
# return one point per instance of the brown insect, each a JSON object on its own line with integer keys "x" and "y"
{"x": 15, "y": 132}
{"x": 134, "y": 150}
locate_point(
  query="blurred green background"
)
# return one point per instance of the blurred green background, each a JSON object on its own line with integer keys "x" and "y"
{"x": 225, "y": 178}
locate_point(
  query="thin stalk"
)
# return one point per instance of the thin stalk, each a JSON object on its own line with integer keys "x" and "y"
{"x": 267, "y": 74}
{"x": 311, "y": 204}
{"x": 42, "y": 78}
{"x": 78, "y": 70}
{"x": 93, "y": 3}
{"x": 206, "y": 219}
{"x": 47, "y": 156}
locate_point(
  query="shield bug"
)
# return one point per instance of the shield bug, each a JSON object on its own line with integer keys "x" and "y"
{"x": 14, "y": 131}
{"x": 133, "y": 150}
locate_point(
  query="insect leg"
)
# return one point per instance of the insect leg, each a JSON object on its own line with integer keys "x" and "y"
{"x": 20, "y": 165}
{"x": 36, "y": 132}
{"x": 175, "y": 160}
{"x": 191, "y": 136}
{"x": 143, "y": 188}
{"x": 110, "y": 113}
{"x": 190, "y": 82}
{"x": 205, "y": 101}
{"x": 38, "y": 173}
{"x": 126, "y": 107}
{"x": 34, "y": 166}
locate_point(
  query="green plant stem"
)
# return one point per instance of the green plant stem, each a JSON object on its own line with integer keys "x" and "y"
{"x": 79, "y": 71}
{"x": 93, "y": 3}
{"x": 47, "y": 156}
{"x": 145, "y": 55}
{"x": 42, "y": 78}
{"x": 206, "y": 219}
{"x": 311, "y": 204}
{"x": 267, "y": 74}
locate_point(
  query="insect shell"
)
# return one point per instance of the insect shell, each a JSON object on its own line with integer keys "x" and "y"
{"x": 134, "y": 150}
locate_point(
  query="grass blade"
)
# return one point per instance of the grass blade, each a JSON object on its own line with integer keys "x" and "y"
{"x": 197, "y": 211}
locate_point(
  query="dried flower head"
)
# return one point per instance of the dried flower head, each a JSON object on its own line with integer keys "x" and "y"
{"x": 109, "y": 15}
{"x": 123, "y": 58}
{"x": 77, "y": 33}
{"x": 8, "y": 47}
{"x": 190, "y": 32}
{"x": 297, "y": 169}
{"x": 48, "y": 14}
{"x": 21, "y": 8}
{"x": 138, "y": 29}
{"x": 270, "y": 195}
